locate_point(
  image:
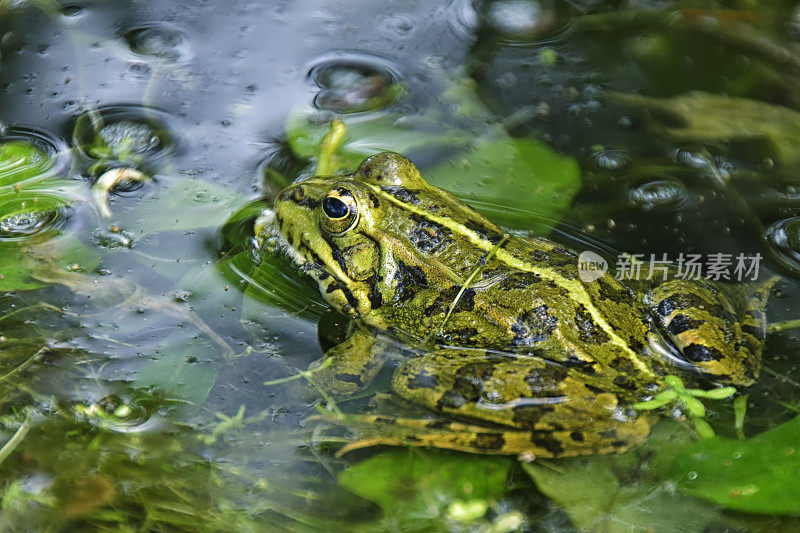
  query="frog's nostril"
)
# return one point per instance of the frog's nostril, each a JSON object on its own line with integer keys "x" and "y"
{"x": 298, "y": 194}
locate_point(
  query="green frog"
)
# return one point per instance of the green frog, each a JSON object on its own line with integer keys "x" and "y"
{"x": 504, "y": 338}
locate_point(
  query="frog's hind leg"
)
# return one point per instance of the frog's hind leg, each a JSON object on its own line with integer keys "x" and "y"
{"x": 516, "y": 405}
{"x": 718, "y": 329}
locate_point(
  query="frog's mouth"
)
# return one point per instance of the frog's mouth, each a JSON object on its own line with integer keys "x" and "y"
{"x": 295, "y": 222}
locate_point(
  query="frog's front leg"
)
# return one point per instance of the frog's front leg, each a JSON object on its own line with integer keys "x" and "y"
{"x": 349, "y": 366}
{"x": 515, "y": 404}
{"x": 721, "y": 333}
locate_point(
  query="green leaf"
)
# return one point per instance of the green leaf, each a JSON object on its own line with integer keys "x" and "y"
{"x": 628, "y": 492}
{"x": 30, "y": 192}
{"x": 415, "y": 489}
{"x": 183, "y": 202}
{"x": 516, "y": 182}
{"x": 757, "y": 475}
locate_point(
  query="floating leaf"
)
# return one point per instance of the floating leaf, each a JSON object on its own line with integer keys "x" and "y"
{"x": 757, "y": 475}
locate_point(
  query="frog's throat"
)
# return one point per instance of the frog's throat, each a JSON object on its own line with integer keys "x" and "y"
{"x": 573, "y": 286}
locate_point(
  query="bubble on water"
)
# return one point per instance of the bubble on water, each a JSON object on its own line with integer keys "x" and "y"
{"x": 350, "y": 83}
{"x": 784, "y": 239}
{"x": 611, "y": 159}
{"x": 663, "y": 193}
{"x": 123, "y": 135}
{"x": 156, "y": 40}
{"x": 520, "y": 17}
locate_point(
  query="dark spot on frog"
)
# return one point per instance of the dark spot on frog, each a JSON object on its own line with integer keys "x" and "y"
{"x": 619, "y": 443}
{"x": 349, "y": 378}
{"x": 588, "y": 330}
{"x": 533, "y": 326}
{"x": 374, "y": 199}
{"x": 408, "y": 279}
{"x": 375, "y": 298}
{"x": 625, "y": 383}
{"x": 577, "y": 436}
{"x": 427, "y": 236}
{"x": 610, "y": 433}
{"x": 681, "y": 323}
{"x": 481, "y": 229}
{"x": 623, "y": 365}
{"x": 549, "y": 443}
{"x": 402, "y": 194}
{"x": 489, "y": 441}
{"x": 692, "y": 301}
{"x": 591, "y": 388}
{"x": 698, "y": 353}
{"x": 545, "y": 382}
{"x": 422, "y": 380}
{"x": 385, "y": 421}
{"x": 527, "y": 416}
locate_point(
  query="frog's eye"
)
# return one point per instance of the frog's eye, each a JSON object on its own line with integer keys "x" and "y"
{"x": 339, "y": 212}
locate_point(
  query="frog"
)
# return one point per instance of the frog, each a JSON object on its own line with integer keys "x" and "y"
{"x": 507, "y": 348}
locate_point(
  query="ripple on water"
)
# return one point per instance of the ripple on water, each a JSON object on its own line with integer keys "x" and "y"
{"x": 784, "y": 238}
{"x": 27, "y": 207}
{"x": 520, "y": 18}
{"x": 123, "y": 135}
{"x": 355, "y": 82}
{"x": 157, "y": 40}
{"x": 610, "y": 159}
{"x": 660, "y": 194}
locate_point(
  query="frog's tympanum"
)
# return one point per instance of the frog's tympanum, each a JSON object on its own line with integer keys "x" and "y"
{"x": 522, "y": 358}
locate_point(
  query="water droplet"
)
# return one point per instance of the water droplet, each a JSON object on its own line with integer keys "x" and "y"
{"x": 611, "y": 159}
{"x": 355, "y": 82}
{"x": 660, "y": 194}
{"x": 692, "y": 475}
{"x": 157, "y": 41}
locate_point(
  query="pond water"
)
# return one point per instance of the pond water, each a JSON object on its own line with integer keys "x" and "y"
{"x": 151, "y": 343}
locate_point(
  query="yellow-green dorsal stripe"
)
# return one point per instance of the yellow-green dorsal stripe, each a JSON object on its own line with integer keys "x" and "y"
{"x": 573, "y": 286}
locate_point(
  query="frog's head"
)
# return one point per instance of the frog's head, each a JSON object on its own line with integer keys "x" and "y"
{"x": 378, "y": 235}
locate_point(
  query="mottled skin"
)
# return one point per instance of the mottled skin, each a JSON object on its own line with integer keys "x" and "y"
{"x": 535, "y": 361}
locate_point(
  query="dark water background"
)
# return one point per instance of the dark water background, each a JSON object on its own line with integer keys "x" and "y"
{"x": 168, "y": 314}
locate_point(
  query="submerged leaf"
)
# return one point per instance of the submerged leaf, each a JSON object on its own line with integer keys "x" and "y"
{"x": 628, "y": 492}
{"x": 415, "y": 489}
{"x": 704, "y": 117}
{"x": 757, "y": 475}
